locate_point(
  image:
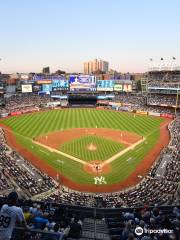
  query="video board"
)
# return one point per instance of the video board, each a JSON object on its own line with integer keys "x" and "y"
{"x": 80, "y": 83}
{"x": 105, "y": 85}
{"x": 127, "y": 87}
{"x": 59, "y": 84}
{"x": 118, "y": 87}
{"x": 37, "y": 88}
{"x": 47, "y": 87}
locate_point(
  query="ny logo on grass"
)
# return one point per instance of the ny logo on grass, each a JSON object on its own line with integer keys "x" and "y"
{"x": 100, "y": 180}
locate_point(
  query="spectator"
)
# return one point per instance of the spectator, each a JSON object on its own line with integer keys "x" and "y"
{"x": 10, "y": 215}
{"x": 75, "y": 229}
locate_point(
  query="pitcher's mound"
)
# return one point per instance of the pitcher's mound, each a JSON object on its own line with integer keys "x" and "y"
{"x": 92, "y": 147}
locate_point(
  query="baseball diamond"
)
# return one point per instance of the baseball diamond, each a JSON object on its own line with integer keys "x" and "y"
{"x": 116, "y": 146}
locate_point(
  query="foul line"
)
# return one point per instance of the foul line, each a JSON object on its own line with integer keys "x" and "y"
{"x": 109, "y": 160}
{"x": 62, "y": 153}
{"x": 123, "y": 151}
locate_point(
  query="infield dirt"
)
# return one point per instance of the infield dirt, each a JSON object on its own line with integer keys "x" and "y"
{"x": 142, "y": 169}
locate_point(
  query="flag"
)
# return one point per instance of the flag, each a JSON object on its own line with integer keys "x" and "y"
{"x": 174, "y": 58}
{"x": 162, "y": 59}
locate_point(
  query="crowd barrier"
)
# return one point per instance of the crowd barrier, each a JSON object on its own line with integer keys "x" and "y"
{"x": 165, "y": 115}
{"x": 154, "y": 114}
{"x": 15, "y": 113}
{"x": 4, "y": 115}
{"x": 142, "y": 112}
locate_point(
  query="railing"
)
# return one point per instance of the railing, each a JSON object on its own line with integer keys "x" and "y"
{"x": 34, "y": 234}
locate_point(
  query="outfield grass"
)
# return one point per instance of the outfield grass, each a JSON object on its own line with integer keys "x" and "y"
{"x": 33, "y": 125}
{"x": 79, "y": 148}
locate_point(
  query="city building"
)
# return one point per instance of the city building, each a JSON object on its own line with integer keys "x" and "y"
{"x": 46, "y": 70}
{"x": 96, "y": 65}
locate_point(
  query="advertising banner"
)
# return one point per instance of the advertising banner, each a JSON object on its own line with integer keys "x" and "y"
{"x": 115, "y": 103}
{"x": 44, "y": 82}
{"x": 167, "y": 116}
{"x": 127, "y": 88}
{"x": 142, "y": 112}
{"x": 104, "y": 102}
{"x": 82, "y": 83}
{"x": 105, "y": 85}
{"x": 16, "y": 113}
{"x": 37, "y": 88}
{"x": 3, "y": 115}
{"x": 58, "y": 84}
{"x": 118, "y": 87}
{"x": 47, "y": 87}
{"x": 26, "y": 88}
{"x": 154, "y": 114}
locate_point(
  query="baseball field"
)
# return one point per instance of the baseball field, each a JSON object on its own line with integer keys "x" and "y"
{"x": 88, "y": 149}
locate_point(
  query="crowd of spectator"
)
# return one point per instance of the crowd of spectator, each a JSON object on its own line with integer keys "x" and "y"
{"x": 131, "y": 99}
{"x": 143, "y": 103}
{"x": 154, "y": 109}
{"x": 24, "y": 102}
{"x": 168, "y": 100}
{"x": 163, "y": 84}
{"x": 45, "y": 221}
{"x": 4, "y": 185}
{"x": 23, "y": 174}
{"x": 152, "y": 190}
{"x": 164, "y": 224}
{"x": 29, "y": 103}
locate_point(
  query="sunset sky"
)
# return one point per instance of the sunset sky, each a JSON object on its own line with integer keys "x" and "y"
{"x": 63, "y": 34}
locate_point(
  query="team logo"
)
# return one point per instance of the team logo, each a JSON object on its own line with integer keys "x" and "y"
{"x": 99, "y": 180}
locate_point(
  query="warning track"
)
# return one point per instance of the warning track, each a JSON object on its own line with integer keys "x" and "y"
{"x": 133, "y": 179}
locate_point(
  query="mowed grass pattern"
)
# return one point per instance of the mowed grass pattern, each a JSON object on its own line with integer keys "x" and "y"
{"x": 105, "y": 148}
{"x": 33, "y": 125}
{"x": 29, "y": 126}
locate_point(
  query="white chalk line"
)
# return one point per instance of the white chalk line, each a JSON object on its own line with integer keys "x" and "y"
{"x": 109, "y": 160}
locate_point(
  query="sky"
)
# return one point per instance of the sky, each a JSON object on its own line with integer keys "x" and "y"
{"x": 63, "y": 34}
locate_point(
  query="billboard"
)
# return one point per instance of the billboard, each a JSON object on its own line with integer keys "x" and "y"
{"x": 47, "y": 87}
{"x": 105, "y": 85}
{"x": 127, "y": 87}
{"x": 118, "y": 87}
{"x": 82, "y": 83}
{"x": 44, "y": 81}
{"x": 26, "y": 88}
{"x": 60, "y": 84}
{"x": 37, "y": 88}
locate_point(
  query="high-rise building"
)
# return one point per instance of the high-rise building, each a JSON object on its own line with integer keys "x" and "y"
{"x": 46, "y": 70}
{"x": 97, "y": 64}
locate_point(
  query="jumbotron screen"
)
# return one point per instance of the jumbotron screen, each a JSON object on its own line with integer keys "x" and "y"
{"x": 60, "y": 84}
{"x": 82, "y": 83}
{"x": 105, "y": 85}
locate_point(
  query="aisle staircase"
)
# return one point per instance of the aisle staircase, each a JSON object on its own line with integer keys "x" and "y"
{"x": 94, "y": 229}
